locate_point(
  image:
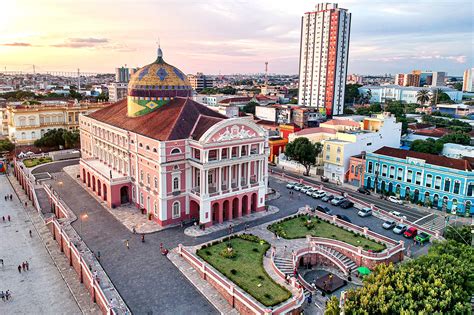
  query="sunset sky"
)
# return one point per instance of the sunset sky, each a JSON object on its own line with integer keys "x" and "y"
{"x": 227, "y": 36}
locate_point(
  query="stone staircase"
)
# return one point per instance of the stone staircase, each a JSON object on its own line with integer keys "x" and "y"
{"x": 285, "y": 265}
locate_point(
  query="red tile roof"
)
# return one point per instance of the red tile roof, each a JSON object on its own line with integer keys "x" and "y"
{"x": 308, "y": 131}
{"x": 342, "y": 122}
{"x": 236, "y": 100}
{"x": 181, "y": 118}
{"x": 439, "y": 160}
{"x": 436, "y": 132}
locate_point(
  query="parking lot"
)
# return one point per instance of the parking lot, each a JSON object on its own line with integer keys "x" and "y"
{"x": 371, "y": 222}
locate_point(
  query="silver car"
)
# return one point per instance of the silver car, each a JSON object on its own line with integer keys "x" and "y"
{"x": 304, "y": 189}
{"x": 400, "y": 228}
{"x": 319, "y": 194}
{"x": 364, "y": 212}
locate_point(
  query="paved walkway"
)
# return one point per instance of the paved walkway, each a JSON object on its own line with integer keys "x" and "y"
{"x": 41, "y": 290}
{"x": 128, "y": 215}
{"x": 196, "y": 231}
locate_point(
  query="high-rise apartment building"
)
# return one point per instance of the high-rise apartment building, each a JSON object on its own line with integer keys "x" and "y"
{"x": 468, "y": 80}
{"x": 118, "y": 89}
{"x": 421, "y": 78}
{"x": 324, "y": 52}
{"x": 199, "y": 81}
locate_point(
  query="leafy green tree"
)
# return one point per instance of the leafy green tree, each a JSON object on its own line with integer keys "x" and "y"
{"x": 457, "y": 137}
{"x": 427, "y": 146}
{"x": 332, "y": 308}
{"x": 249, "y": 108}
{"x": 75, "y": 95}
{"x": 423, "y": 96}
{"x": 348, "y": 111}
{"x": 457, "y": 86}
{"x": 460, "y": 234}
{"x": 103, "y": 96}
{"x": 59, "y": 137}
{"x": 6, "y": 145}
{"x": 440, "y": 282}
{"x": 294, "y": 100}
{"x": 351, "y": 93}
{"x": 304, "y": 152}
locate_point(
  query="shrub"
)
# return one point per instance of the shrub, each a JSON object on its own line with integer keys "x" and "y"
{"x": 250, "y": 237}
{"x": 227, "y": 253}
{"x": 267, "y": 296}
{"x": 233, "y": 271}
{"x": 208, "y": 253}
{"x": 261, "y": 278}
{"x": 255, "y": 250}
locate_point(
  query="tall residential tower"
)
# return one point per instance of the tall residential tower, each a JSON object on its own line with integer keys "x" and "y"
{"x": 324, "y": 52}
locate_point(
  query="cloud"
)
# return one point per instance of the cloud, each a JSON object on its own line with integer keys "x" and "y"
{"x": 82, "y": 42}
{"x": 16, "y": 44}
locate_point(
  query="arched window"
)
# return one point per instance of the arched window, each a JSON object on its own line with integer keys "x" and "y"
{"x": 437, "y": 184}
{"x": 141, "y": 175}
{"x": 400, "y": 173}
{"x": 352, "y": 169}
{"x": 429, "y": 180}
{"x": 155, "y": 208}
{"x": 156, "y": 183}
{"x": 147, "y": 148}
{"x": 148, "y": 179}
{"x": 175, "y": 183}
{"x": 370, "y": 167}
{"x": 447, "y": 184}
{"x": 392, "y": 172}
{"x": 457, "y": 186}
{"x": 470, "y": 190}
{"x": 176, "y": 151}
{"x": 140, "y": 145}
{"x": 154, "y": 150}
{"x": 384, "y": 170}
{"x": 176, "y": 209}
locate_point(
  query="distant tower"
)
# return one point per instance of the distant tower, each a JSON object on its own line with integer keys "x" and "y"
{"x": 324, "y": 52}
{"x": 78, "y": 79}
{"x": 266, "y": 72}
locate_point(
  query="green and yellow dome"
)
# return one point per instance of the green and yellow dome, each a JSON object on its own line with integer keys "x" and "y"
{"x": 154, "y": 85}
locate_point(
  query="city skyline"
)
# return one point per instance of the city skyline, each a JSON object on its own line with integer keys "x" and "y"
{"x": 228, "y": 37}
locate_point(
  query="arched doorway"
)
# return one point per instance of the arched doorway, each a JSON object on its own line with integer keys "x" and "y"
{"x": 416, "y": 196}
{"x": 454, "y": 206}
{"x": 426, "y": 199}
{"x": 93, "y": 183}
{"x": 235, "y": 208}
{"x": 88, "y": 179}
{"x": 444, "y": 206}
{"x": 124, "y": 195}
{"x": 194, "y": 210}
{"x": 369, "y": 183}
{"x": 382, "y": 187}
{"x": 104, "y": 189}
{"x": 398, "y": 189}
{"x": 99, "y": 188}
{"x": 468, "y": 208}
{"x": 436, "y": 201}
{"x": 253, "y": 203}
{"x": 215, "y": 212}
{"x": 84, "y": 176}
{"x": 245, "y": 205}
{"x": 225, "y": 210}
{"x": 390, "y": 187}
{"x": 407, "y": 193}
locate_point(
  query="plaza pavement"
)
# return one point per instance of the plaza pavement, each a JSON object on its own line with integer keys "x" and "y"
{"x": 148, "y": 281}
{"x": 41, "y": 290}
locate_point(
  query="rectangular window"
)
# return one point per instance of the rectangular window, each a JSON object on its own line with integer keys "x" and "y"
{"x": 384, "y": 170}
{"x": 225, "y": 153}
{"x": 447, "y": 184}
{"x": 409, "y": 176}
{"x": 400, "y": 173}
{"x": 370, "y": 167}
{"x": 437, "y": 184}
{"x": 418, "y": 178}
{"x": 429, "y": 180}
{"x": 392, "y": 172}
{"x": 457, "y": 186}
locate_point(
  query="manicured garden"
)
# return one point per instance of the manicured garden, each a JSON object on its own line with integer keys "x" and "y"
{"x": 36, "y": 161}
{"x": 240, "y": 259}
{"x": 301, "y": 225}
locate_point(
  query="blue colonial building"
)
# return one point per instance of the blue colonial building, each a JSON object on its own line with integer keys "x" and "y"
{"x": 437, "y": 181}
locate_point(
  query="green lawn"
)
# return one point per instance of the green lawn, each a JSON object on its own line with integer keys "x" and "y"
{"x": 36, "y": 161}
{"x": 246, "y": 269}
{"x": 297, "y": 228}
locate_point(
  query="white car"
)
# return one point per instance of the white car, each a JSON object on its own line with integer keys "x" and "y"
{"x": 364, "y": 212}
{"x": 400, "y": 228}
{"x": 398, "y": 214}
{"x": 310, "y": 191}
{"x": 298, "y": 187}
{"x": 318, "y": 194}
{"x": 337, "y": 200}
{"x": 395, "y": 200}
{"x": 305, "y": 189}
{"x": 291, "y": 185}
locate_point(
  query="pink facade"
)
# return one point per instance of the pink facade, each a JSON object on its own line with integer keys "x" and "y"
{"x": 164, "y": 178}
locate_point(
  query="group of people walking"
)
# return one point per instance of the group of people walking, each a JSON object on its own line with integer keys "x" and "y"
{"x": 25, "y": 266}
{"x": 8, "y": 197}
{"x": 5, "y": 295}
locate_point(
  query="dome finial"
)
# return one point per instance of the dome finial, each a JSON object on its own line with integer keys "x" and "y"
{"x": 159, "y": 51}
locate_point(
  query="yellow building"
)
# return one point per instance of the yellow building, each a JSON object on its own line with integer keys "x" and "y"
{"x": 26, "y": 123}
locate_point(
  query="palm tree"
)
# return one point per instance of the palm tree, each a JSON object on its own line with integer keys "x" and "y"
{"x": 435, "y": 96}
{"x": 423, "y": 96}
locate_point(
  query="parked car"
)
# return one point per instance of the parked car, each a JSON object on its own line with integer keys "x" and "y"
{"x": 411, "y": 232}
{"x": 324, "y": 209}
{"x": 389, "y": 224}
{"x": 422, "y": 238}
{"x": 400, "y": 228}
{"x": 364, "y": 191}
{"x": 291, "y": 185}
{"x": 298, "y": 187}
{"x": 364, "y": 212}
{"x": 344, "y": 218}
{"x": 346, "y": 204}
{"x": 337, "y": 200}
{"x": 395, "y": 200}
{"x": 304, "y": 189}
{"x": 327, "y": 198}
{"x": 324, "y": 179}
{"x": 310, "y": 191}
{"x": 319, "y": 194}
{"x": 398, "y": 214}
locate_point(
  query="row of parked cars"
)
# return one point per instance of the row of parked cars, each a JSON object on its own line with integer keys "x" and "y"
{"x": 321, "y": 194}
{"x": 408, "y": 232}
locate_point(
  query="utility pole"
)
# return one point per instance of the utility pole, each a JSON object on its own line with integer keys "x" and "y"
{"x": 78, "y": 80}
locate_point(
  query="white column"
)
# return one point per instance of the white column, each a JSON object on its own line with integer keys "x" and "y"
{"x": 229, "y": 177}
{"x": 248, "y": 172}
{"x": 239, "y": 173}
{"x": 219, "y": 179}
{"x": 206, "y": 184}
{"x": 201, "y": 184}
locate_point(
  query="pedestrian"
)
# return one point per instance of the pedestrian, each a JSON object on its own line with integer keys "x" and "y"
{"x": 143, "y": 238}
{"x": 3, "y": 217}
{"x": 134, "y": 231}
{"x": 26, "y": 204}
{"x": 8, "y": 217}
{"x": 11, "y": 197}
{"x": 126, "y": 244}
{"x": 19, "y": 268}
{"x": 1, "y": 262}
{"x": 2, "y": 295}
{"x": 27, "y": 265}
{"x": 98, "y": 255}
{"x": 31, "y": 234}
{"x": 7, "y": 294}
{"x": 23, "y": 265}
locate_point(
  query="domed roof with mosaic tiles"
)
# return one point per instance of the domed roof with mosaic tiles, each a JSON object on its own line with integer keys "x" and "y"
{"x": 154, "y": 86}
{"x": 159, "y": 74}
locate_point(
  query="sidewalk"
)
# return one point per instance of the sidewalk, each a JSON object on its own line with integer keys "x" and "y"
{"x": 128, "y": 215}
{"x": 50, "y": 286}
